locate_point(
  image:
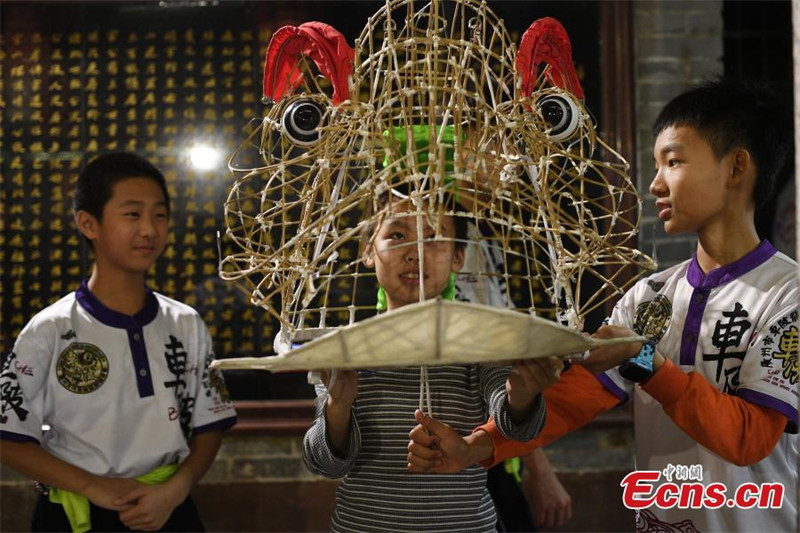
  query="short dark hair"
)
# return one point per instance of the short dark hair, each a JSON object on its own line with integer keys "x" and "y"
{"x": 731, "y": 114}
{"x": 96, "y": 182}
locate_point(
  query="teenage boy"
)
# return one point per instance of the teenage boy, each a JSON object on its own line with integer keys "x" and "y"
{"x": 119, "y": 374}
{"x": 721, "y": 404}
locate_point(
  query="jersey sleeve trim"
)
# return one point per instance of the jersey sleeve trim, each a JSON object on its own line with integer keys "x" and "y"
{"x": 770, "y": 402}
{"x": 612, "y": 387}
{"x": 219, "y": 425}
{"x": 17, "y": 437}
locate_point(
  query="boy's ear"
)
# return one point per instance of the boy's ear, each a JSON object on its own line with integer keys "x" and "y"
{"x": 742, "y": 167}
{"x": 369, "y": 260}
{"x": 369, "y": 250}
{"x": 87, "y": 224}
{"x": 459, "y": 256}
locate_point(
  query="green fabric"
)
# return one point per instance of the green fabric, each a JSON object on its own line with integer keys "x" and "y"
{"x": 420, "y": 134}
{"x": 449, "y": 293}
{"x": 76, "y": 506}
{"x": 381, "y": 305}
{"x": 160, "y": 475}
{"x": 512, "y": 467}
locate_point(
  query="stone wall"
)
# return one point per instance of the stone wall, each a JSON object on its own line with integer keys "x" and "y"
{"x": 678, "y": 44}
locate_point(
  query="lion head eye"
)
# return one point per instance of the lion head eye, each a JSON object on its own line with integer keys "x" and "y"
{"x": 301, "y": 121}
{"x": 562, "y": 114}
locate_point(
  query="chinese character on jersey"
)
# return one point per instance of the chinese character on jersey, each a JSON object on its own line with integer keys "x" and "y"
{"x": 176, "y": 362}
{"x": 787, "y": 345}
{"x": 11, "y": 392}
{"x": 728, "y": 334}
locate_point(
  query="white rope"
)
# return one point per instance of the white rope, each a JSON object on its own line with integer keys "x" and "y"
{"x": 424, "y": 392}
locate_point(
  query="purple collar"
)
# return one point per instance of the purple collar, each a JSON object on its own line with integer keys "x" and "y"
{"x": 113, "y": 318}
{"x": 724, "y": 274}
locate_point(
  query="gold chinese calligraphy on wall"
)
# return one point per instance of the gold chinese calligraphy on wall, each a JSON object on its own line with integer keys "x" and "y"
{"x": 95, "y": 79}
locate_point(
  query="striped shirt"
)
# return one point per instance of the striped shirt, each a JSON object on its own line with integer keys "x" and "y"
{"x": 378, "y": 493}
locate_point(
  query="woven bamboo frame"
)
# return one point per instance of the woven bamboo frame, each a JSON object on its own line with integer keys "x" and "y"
{"x": 300, "y": 216}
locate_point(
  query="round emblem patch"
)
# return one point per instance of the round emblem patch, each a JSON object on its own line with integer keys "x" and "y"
{"x": 653, "y": 317}
{"x": 82, "y": 368}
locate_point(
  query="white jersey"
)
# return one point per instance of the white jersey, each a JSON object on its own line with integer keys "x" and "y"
{"x": 738, "y": 328}
{"x": 121, "y": 395}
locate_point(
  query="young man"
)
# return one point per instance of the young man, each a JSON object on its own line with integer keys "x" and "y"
{"x": 722, "y": 401}
{"x": 118, "y": 372}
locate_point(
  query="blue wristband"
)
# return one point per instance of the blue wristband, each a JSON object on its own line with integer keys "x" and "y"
{"x": 640, "y": 367}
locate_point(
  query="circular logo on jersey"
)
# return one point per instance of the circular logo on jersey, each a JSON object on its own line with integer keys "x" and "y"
{"x": 653, "y": 317}
{"x": 82, "y": 368}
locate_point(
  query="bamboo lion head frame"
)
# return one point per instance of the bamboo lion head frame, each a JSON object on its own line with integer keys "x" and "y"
{"x": 435, "y": 106}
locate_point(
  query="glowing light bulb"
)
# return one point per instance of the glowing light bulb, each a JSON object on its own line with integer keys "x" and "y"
{"x": 204, "y": 157}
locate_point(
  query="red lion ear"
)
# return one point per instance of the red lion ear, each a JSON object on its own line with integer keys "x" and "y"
{"x": 547, "y": 41}
{"x": 320, "y": 42}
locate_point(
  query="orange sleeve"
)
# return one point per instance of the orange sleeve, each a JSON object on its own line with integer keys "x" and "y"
{"x": 735, "y": 429}
{"x": 571, "y": 402}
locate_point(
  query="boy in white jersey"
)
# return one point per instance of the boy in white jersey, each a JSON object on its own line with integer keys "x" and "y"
{"x": 723, "y": 397}
{"x": 118, "y": 373}
{"x": 363, "y": 418}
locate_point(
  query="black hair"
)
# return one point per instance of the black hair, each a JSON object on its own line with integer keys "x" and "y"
{"x": 96, "y": 182}
{"x": 731, "y": 114}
